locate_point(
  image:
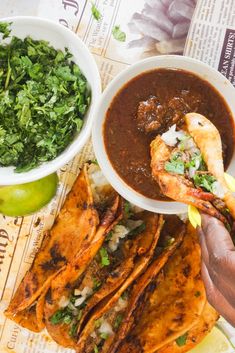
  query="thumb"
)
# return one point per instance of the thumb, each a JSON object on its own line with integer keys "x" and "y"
{"x": 217, "y": 238}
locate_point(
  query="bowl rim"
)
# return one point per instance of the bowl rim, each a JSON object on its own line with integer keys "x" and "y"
{"x": 97, "y": 129}
{"x": 78, "y": 143}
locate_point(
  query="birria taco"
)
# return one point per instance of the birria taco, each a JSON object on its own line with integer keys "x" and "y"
{"x": 74, "y": 228}
{"x": 112, "y": 319}
{"x": 173, "y": 314}
{"x": 127, "y": 248}
{"x": 188, "y": 166}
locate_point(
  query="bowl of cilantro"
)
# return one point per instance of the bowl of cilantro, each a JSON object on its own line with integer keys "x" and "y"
{"x": 49, "y": 83}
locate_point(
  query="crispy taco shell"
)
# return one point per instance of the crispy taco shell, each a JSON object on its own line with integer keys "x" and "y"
{"x": 63, "y": 285}
{"x": 175, "y": 305}
{"x": 144, "y": 284}
{"x": 107, "y": 310}
{"x": 196, "y": 334}
{"x": 75, "y": 225}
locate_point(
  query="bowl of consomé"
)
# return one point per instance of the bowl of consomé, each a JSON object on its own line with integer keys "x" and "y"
{"x": 147, "y": 99}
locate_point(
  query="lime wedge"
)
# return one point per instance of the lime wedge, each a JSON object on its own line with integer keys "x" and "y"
{"x": 194, "y": 216}
{"x": 230, "y": 181}
{"x": 215, "y": 342}
{"x": 24, "y": 199}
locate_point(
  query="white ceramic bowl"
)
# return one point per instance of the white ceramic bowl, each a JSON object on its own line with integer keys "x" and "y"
{"x": 59, "y": 37}
{"x": 167, "y": 61}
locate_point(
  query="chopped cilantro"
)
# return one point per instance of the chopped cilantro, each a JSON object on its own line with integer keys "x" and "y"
{"x": 176, "y": 167}
{"x": 96, "y": 349}
{"x": 67, "y": 319}
{"x": 205, "y": 181}
{"x": 196, "y": 162}
{"x": 62, "y": 315}
{"x": 95, "y": 12}
{"x": 73, "y": 330}
{"x": 109, "y": 236}
{"x": 127, "y": 209}
{"x": 43, "y": 101}
{"x": 104, "y": 257}
{"x": 96, "y": 284}
{"x": 98, "y": 323}
{"x": 79, "y": 316}
{"x": 118, "y": 321}
{"x": 4, "y": 29}
{"x": 94, "y": 161}
{"x": 181, "y": 341}
{"x": 104, "y": 336}
{"x": 118, "y": 34}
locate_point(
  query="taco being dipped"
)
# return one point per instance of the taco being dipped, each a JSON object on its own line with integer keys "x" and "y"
{"x": 188, "y": 166}
{"x": 126, "y": 249}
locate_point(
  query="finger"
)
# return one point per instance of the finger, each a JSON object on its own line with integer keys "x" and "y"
{"x": 225, "y": 286}
{"x": 226, "y": 289}
{"x": 216, "y": 299}
{"x": 219, "y": 246}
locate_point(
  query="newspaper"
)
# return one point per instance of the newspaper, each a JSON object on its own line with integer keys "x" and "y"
{"x": 152, "y": 27}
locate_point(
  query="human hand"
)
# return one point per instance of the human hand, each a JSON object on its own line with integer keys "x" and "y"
{"x": 218, "y": 266}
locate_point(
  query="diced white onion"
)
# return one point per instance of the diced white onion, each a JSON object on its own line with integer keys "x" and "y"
{"x": 119, "y": 232}
{"x": 63, "y": 302}
{"x": 106, "y": 328}
{"x": 189, "y": 144}
{"x": 192, "y": 172}
{"x": 218, "y": 189}
{"x": 79, "y": 301}
{"x": 121, "y": 304}
{"x": 77, "y": 292}
{"x": 93, "y": 335}
{"x": 73, "y": 308}
{"x": 172, "y": 136}
{"x": 86, "y": 292}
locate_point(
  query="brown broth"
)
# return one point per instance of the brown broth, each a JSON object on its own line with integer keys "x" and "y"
{"x": 129, "y": 149}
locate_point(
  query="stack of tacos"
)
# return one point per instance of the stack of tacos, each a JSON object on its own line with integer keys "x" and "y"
{"x": 110, "y": 277}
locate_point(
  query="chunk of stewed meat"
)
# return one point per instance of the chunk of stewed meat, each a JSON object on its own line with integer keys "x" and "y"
{"x": 152, "y": 116}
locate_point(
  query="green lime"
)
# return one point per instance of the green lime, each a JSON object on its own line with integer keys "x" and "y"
{"x": 24, "y": 199}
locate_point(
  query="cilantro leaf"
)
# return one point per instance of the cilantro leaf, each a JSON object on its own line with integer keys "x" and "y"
{"x": 4, "y": 29}
{"x": 127, "y": 209}
{"x": 181, "y": 341}
{"x": 95, "y": 12}
{"x": 96, "y": 284}
{"x": 104, "y": 257}
{"x": 104, "y": 336}
{"x": 205, "y": 181}
{"x": 73, "y": 330}
{"x": 61, "y": 315}
{"x": 118, "y": 321}
{"x": 118, "y": 34}
{"x": 96, "y": 349}
{"x": 176, "y": 167}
